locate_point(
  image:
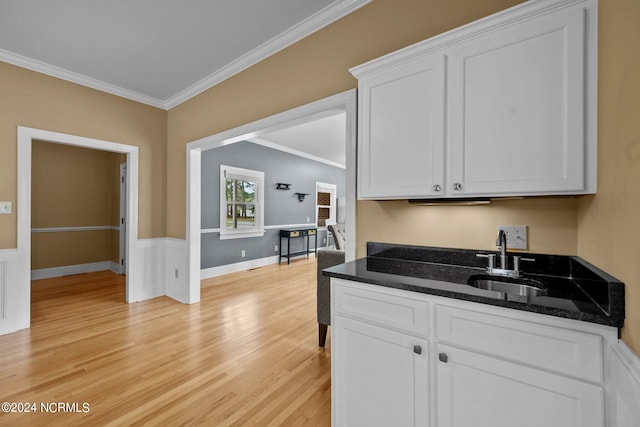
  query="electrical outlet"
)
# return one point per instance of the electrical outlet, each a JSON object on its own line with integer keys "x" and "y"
{"x": 307, "y": 219}
{"x": 5, "y": 207}
{"x": 276, "y": 248}
{"x": 176, "y": 273}
{"x": 516, "y": 236}
{"x": 242, "y": 254}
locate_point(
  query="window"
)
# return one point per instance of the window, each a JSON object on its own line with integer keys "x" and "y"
{"x": 325, "y": 203}
{"x": 241, "y": 203}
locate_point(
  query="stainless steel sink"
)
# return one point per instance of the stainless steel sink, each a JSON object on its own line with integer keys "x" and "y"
{"x": 518, "y": 287}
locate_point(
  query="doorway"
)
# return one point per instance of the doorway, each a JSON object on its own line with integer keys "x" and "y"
{"x": 345, "y": 101}
{"x": 22, "y": 290}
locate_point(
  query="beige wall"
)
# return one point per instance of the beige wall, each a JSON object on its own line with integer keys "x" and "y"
{"x": 39, "y": 101}
{"x": 609, "y": 223}
{"x": 74, "y": 187}
{"x": 551, "y": 221}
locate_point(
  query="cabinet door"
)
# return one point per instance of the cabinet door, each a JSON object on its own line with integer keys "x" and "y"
{"x": 517, "y": 119}
{"x": 474, "y": 390}
{"x": 401, "y": 145}
{"x": 378, "y": 377}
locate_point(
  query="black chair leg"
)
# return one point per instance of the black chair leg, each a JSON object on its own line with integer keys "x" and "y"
{"x": 322, "y": 334}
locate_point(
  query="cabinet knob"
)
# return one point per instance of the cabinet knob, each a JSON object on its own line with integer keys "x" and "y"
{"x": 457, "y": 186}
{"x": 437, "y": 188}
{"x": 443, "y": 357}
{"x": 417, "y": 349}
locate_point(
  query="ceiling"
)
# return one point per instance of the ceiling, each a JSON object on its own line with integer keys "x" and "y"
{"x": 163, "y": 52}
{"x": 159, "y": 52}
{"x": 322, "y": 139}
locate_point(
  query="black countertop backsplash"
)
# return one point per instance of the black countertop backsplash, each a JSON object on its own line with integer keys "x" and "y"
{"x": 575, "y": 288}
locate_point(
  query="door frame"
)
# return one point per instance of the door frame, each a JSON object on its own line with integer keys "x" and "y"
{"x": 26, "y": 136}
{"x": 346, "y": 101}
{"x": 124, "y": 223}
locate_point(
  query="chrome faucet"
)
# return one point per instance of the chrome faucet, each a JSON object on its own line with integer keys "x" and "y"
{"x": 501, "y": 243}
{"x": 503, "y": 270}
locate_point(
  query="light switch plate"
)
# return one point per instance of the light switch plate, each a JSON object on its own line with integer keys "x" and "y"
{"x": 5, "y": 207}
{"x": 516, "y": 236}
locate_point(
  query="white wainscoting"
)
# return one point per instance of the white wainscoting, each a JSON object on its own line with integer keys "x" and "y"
{"x": 14, "y": 299}
{"x": 624, "y": 380}
{"x": 151, "y": 285}
{"x": 176, "y": 270}
{"x": 164, "y": 270}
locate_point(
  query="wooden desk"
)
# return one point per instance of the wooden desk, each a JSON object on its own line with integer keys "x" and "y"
{"x": 294, "y": 233}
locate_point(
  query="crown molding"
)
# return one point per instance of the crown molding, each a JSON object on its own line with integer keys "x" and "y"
{"x": 315, "y": 22}
{"x": 70, "y": 76}
{"x": 295, "y": 152}
{"x": 319, "y": 20}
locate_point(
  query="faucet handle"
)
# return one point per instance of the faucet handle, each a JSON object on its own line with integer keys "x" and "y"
{"x": 490, "y": 257}
{"x": 517, "y": 259}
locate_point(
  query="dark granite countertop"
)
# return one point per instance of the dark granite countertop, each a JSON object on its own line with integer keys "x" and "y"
{"x": 575, "y": 289}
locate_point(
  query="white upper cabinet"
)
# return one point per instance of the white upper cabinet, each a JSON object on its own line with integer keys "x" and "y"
{"x": 404, "y": 126}
{"x": 517, "y": 109}
{"x": 503, "y": 106}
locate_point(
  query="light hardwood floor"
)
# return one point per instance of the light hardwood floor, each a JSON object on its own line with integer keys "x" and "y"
{"x": 247, "y": 354}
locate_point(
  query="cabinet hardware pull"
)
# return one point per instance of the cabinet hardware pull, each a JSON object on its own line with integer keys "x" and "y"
{"x": 417, "y": 349}
{"x": 457, "y": 186}
{"x": 443, "y": 357}
{"x": 437, "y": 188}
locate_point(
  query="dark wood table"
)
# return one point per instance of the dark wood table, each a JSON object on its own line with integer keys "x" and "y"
{"x": 295, "y": 233}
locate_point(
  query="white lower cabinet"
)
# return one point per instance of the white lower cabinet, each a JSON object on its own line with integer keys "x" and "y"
{"x": 382, "y": 377}
{"x": 402, "y": 358}
{"x": 475, "y": 390}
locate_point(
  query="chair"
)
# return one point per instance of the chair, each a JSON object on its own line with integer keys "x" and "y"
{"x": 327, "y": 258}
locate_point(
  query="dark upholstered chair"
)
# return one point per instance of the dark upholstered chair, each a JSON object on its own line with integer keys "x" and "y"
{"x": 328, "y": 258}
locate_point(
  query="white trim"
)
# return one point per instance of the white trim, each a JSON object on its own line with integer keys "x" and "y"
{"x": 298, "y": 153}
{"x": 22, "y": 295}
{"x": 67, "y": 229}
{"x": 70, "y": 76}
{"x": 208, "y": 273}
{"x": 315, "y": 22}
{"x": 277, "y": 227}
{"x": 248, "y": 175}
{"x": 115, "y": 267}
{"x": 68, "y": 270}
{"x": 266, "y": 227}
{"x": 122, "y": 220}
{"x": 624, "y": 386}
{"x": 343, "y": 101}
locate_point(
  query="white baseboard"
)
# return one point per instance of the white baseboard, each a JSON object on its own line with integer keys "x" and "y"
{"x": 208, "y": 273}
{"x": 67, "y": 270}
{"x": 624, "y": 373}
{"x": 115, "y": 267}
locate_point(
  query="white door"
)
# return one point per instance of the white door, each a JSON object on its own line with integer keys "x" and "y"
{"x": 380, "y": 376}
{"x": 474, "y": 390}
{"x": 401, "y": 141}
{"x": 517, "y": 116}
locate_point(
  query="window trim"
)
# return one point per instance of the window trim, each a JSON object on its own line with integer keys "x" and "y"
{"x": 247, "y": 174}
